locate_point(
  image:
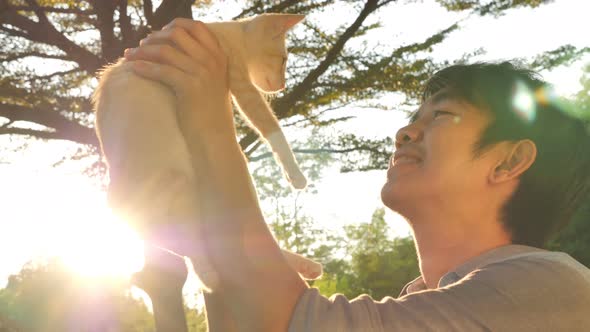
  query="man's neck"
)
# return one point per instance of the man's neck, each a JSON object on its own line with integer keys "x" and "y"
{"x": 442, "y": 249}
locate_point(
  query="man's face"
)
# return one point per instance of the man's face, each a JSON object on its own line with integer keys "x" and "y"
{"x": 433, "y": 165}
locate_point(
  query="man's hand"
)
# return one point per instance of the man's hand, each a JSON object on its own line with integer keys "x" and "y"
{"x": 188, "y": 58}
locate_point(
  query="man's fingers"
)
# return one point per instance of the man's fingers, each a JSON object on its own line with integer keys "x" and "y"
{"x": 163, "y": 53}
{"x": 180, "y": 39}
{"x": 169, "y": 75}
{"x": 199, "y": 31}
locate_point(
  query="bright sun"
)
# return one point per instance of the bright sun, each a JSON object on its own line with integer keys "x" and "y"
{"x": 101, "y": 246}
{"x": 66, "y": 217}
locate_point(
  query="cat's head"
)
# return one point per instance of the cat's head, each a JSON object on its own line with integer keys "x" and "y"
{"x": 266, "y": 51}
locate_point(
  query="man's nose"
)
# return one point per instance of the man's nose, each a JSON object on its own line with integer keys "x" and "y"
{"x": 407, "y": 134}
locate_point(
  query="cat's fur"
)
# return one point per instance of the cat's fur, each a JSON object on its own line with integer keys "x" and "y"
{"x": 137, "y": 126}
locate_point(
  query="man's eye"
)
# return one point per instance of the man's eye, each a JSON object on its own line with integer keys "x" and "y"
{"x": 437, "y": 113}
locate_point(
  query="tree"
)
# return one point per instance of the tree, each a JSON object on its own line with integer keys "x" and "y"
{"x": 326, "y": 75}
{"x": 574, "y": 239}
{"x": 77, "y": 38}
{"x": 375, "y": 262}
{"x": 47, "y": 297}
{"x": 363, "y": 259}
{"x": 582, "y": 98}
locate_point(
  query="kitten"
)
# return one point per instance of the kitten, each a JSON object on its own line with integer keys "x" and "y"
{"x": 149, "y": 162}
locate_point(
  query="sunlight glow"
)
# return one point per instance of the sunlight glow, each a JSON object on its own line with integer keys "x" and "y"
{"x": 65, "y": 216}
{"x": 102, "y": 247}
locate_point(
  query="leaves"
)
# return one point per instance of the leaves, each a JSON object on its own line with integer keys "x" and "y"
{"x": 493, "y": 7}
{"x": 82, "y": 36}
{"x": 564, "y": 55}
{"x": 377, "y": 264}
{"x": 574, "y": 239}
{"x": 47, "y": 297}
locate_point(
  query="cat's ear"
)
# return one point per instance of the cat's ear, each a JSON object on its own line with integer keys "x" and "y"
{"x": 281, "y": 23}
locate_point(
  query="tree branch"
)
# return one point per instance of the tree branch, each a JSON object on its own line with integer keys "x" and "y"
{"x": 127, "y": 32}
{"x": 29, "y": 132}
{"x": 110, "y": 46}
{"x": 283, "y": 105}
{"x": 13, "y": 32}
{"x": 64, "y": 128}
{"x": 57, "y": 73}
{"x": 13, "y": 57}
{"x": 316, "y": 151}
{"x": 47, "y": 9}
{"x": 384, "y": 3}
{"x": 47, "y": 34}
{"x": 39, "y": 12}
{"x": 148, "y": 12}
{"x": 278, "y": 8}
{"x": 169, "y": 10}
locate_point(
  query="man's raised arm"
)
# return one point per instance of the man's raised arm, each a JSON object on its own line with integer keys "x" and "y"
{"x": 256, "y": 283}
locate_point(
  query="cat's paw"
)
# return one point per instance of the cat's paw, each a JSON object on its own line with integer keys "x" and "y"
{"x": 298, "y": 181}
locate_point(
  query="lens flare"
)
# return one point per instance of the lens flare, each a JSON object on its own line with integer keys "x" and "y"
{"x": 545, "y": 95}
{"x": 523, "y": 102}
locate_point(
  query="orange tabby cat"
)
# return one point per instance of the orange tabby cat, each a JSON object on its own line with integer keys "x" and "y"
{"x": 147, "y": 156}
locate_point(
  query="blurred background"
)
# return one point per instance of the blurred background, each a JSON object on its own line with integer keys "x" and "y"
{"x": 354, "y": 72}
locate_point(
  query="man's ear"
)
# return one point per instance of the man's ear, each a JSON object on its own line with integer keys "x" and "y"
{"x": 517, "y": 158}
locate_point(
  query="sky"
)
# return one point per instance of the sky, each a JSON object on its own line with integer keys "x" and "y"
{"x": 49, "y": 207}
{"x": 521, "y": 33}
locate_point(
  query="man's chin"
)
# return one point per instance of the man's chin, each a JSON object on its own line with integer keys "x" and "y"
{"x": 396, "y": 199}
{"x": 389, "y": 197}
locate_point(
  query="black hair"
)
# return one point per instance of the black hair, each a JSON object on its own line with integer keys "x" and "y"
{"x": 523, "y": 107}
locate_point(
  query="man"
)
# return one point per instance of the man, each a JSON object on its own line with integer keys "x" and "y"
{"x": 487, "y": 169}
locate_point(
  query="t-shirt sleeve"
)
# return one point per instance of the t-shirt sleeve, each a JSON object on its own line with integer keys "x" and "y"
{"x": 519, "y": 295}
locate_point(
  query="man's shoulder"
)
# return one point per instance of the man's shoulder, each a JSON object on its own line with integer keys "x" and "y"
{"x": 545, "y": 259}
{"x": 542, "y": 269}
{"x": 523, "y": 291}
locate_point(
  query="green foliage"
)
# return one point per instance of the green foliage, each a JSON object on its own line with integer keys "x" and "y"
{"x": 494, "y": 7}
{"x": 564, "y": 55}
{"x": 196, "y": 320}
{"x": 582, "y": 99}
{"x": 362, "y": 259}
{"x": 74, "y": 39}
{"x": 49, "y": 298}
{"x": 366, "y": 259}
{"x": 325, "y": 74}
{"x": 575, "y": 238}
{"x": 377, "y": 264}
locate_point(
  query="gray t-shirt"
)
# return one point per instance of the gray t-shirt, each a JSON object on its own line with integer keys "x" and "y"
{"x": 510, "y": 288}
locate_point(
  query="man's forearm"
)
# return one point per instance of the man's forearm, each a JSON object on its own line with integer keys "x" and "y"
{"x": 255, "y": 279}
